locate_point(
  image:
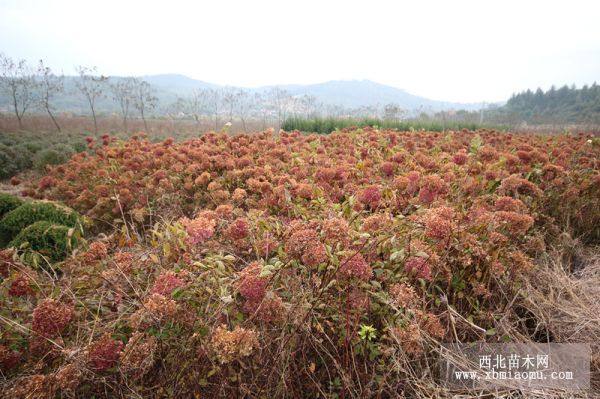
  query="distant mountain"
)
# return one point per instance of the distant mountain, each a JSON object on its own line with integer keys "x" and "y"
{"x": 347, "y": 93}
{"x": 179, "y": 84}
{"x": 361, "y": 93}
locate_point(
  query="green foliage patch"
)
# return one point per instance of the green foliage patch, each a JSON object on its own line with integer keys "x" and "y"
{"x": 8, "y": 203}
{"x": 328, "y": 125}
{"x": 18, "y": 219}
{"x": 53, "y": 241}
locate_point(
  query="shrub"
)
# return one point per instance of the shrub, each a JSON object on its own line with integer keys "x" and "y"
{"x": 34, "y": 146}
{"x": 8, "y": 203}
{"x": 18, "y": 219}
{"x": 57, "y": 154}
{"x": 330, "y": 124}
{"x": 79, "y": 146}
{"x": 23, "y": 157}
{"x": 8, "y": 166}
{"x": 53, "y": 241}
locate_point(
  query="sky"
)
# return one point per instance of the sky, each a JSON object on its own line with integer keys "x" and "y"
{"x": 460, "y": 51}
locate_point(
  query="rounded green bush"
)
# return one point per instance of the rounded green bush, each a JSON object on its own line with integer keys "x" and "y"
{"x": 53, "y": 241}
{"x": 8, "y": 203}
{"x": 34, "y": 146}
{"x": 57, "y": 154}
{"x": 23, "y": 157}
{"x": 8, "y": 165}
{"x": 30, "y": 212}
{"x": 79, "y": 146}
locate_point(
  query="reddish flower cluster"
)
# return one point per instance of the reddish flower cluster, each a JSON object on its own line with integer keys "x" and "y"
{"x": 51, "y": 317}
{"x": 515, "y": 185}
{"x": 250, "y": 285}
{"x": 355, "y": 266}
{"x": 432, "y": 186}
{"x": 20, "y": 286}
{"x": 199, "y": 229}
{"x": 97, "y": 251}
{"x": 515, "y": 223}
{"x": 439, "y": 223}
{"x": 419, "y": 267}
{"x": 509, "y": 204}
{"x": 238, "y": 229}
{"x": 335, "y": 230}
{"x": 370, "y": 196}
{"x": 104, "y": 353}
{"x": 8, "y": 358}
{"x": 301, "y": 240}
{"x": 166, "y": 283}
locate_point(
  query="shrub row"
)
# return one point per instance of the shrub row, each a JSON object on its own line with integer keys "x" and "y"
{"x": 328, "y": 125}
{"x": 19, "y": 158}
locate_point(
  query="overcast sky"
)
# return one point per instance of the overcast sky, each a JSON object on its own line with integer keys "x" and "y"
{"x": 455, "y": 50}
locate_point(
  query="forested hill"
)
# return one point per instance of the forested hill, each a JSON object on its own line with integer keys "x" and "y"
{"x": 564, "y": 105}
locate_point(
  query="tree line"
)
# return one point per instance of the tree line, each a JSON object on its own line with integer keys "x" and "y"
{"x": 563, "y": 105}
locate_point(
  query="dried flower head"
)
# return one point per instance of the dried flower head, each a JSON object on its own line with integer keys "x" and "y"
{"x": 199, "y": 229}
{"x": 419, "y": 267}
{"x": 370, "y": 196}
{"x": 139, "y": 355}
{"x": 356, "y": 266}
{"x": 156, "y": 310}
{"x": 232, "y": 345}
{"x": 51, "y": 317}
{"x": 104, "y": 353}
{"x": 166, "y": 283}
{"x": 250, "y": 285}
{"x": 314, "y": 254}
{"x": 403, "y": 295}
{"x": 238, "y": 229}
{"x": 20, "y": 286}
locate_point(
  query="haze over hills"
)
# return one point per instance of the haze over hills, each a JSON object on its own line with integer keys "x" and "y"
{"x": 346, "y": 93}
{"x": 168, "y": 88}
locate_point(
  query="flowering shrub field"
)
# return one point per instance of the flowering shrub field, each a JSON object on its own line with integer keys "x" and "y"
{"x": 283, "y": 264}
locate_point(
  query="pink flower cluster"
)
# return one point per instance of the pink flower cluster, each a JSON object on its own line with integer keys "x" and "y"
{"x": 370, "y": 196}
{"x": 238, "y": 229}
{"x": 419, "y": 267}
{"x": 356, "y": 266}
{"x": 250, "y": 285}
{"x": 166, "y": 283}
{"x": 199, "y": 229}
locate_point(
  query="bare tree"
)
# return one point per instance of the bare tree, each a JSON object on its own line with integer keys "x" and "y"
{"x": 230, "y": 98}
{"x": 214, "y": 98}
{"x": 262, "y": 105}
{"x": 195, "y": 104}
{"x": 279, "y": 100}
{"x": 243, "y": 107}
{"x": 17, "y": 81}
{"x": 144, "y": 98}
{"x": 122, "y": 91}
{"x": 50, "y": 85}
{"x": 308, "y": 104}
{"x": 92, "y": 87}
{"x": 393, "y": 112}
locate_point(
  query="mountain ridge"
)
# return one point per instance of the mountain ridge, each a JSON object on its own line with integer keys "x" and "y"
{"x": 347, "y": 93}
